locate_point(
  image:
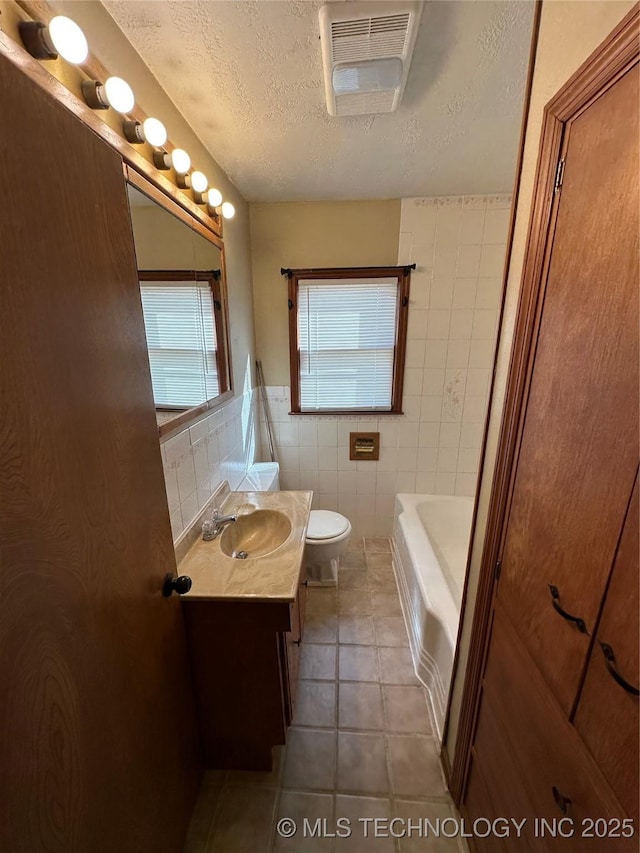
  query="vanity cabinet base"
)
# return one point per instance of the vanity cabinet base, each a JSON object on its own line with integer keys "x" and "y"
{"x": 243, "y": 666}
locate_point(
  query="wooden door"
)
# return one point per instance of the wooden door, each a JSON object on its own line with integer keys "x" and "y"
{"x": 579, "y": 448}
{"x": 607, "y": 715}
{"x": 98, "y": 748}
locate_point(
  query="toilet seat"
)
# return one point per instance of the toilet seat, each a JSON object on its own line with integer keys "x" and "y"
{"x": 324, "y": 524}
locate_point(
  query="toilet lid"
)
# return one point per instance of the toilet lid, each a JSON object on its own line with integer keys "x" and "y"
{"x": 324, "y": 524}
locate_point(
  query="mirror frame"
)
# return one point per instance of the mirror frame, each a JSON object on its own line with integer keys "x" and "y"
{"x": 188, "y": 416}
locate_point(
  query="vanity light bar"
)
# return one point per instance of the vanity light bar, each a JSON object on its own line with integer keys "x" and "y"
{"x": 63, "y": 37}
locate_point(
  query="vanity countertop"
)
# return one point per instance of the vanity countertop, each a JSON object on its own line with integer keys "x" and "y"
{"x": 272, "y": 577}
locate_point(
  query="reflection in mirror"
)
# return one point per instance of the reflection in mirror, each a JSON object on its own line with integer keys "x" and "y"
{"x": 182, "y": 290}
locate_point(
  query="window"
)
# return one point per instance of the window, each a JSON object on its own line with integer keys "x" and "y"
{"x": 347, "y": 338}
{"x": 180, "y": 315}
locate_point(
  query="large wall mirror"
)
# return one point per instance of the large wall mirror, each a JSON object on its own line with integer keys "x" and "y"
{"x": 183, "y": 291}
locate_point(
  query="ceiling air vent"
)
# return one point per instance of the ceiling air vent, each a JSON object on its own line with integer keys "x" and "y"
{"x": 366, "y": 53}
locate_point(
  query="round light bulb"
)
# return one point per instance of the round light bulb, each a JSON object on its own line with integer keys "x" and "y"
{"x": 119, "y": 95}
{"x": 214, "y": 198}
{"x": 199, "y": 181}
{"x": 180, "y": 161}
{"x": 228, "y": 210}
{"x": 68, "y": 39}
{"x": 154, "y": 132}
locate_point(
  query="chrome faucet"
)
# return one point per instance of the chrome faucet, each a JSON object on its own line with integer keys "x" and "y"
{"x": 213, "y": 528}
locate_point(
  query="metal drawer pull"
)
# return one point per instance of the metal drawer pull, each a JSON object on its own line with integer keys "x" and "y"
{"x": 561, "y": 801}
{"x": 555, "y": 595}
{"x": 610, "y": 658}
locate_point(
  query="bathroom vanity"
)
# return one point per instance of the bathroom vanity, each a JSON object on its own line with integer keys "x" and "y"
{"x": 244, "y": 619}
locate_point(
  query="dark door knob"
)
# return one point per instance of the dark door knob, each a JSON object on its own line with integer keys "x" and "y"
{"x": 172, "y": 583}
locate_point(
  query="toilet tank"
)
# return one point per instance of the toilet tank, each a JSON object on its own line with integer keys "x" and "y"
{"x": 261, "y": 477}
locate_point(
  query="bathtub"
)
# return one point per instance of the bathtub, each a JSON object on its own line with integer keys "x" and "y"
{"x": 431, "y": 540}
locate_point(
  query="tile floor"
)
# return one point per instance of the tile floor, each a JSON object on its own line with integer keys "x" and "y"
{"x": 360, "y": 745}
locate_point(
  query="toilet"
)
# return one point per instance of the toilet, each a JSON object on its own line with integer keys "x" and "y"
{"x": 328, "y": 532}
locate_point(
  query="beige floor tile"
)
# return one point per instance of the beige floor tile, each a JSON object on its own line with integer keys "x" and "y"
{"x": 386, "y": 603}
{"x": 354, "y": 601}
{"x": 379, "y": 561}
{"x": 415, "y": 767}
{"x": 201, "y": 824}
{"x": 358, "y": 663}
{"x": 390, "y": 631}
{"x": 424, "y": 840}
{"x": 362, "y": 765}
{"x": 356, "y": 543}
{"x": 305, "y": 810}
{"x": 365, "y": 836}
{"x": 256, "y": 777}
{"x": 244, "y": 820}
{"x": 406, "y": 710}
{"x": 396, "y": 666}
{"x": 356, "y": 628}
{"x": 353, "y": 579}
{"x": 320, "y": 628}
{"x": 322, "y": 601}
{"x": 317, "y": 661}
{"x": 310, "y": 759}
{"x": 352, "y": 560}
{"x": 377, "y": 544}
{"x": 360, "y": 706}
{"x": 382, "y": 580}
{"x": 315, "y": 704}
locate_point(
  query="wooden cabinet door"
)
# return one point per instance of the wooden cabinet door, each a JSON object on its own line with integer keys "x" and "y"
{"x": 98, "y": 748}
{"x": 607, "y": 715}
{"x": 579, "y": 447}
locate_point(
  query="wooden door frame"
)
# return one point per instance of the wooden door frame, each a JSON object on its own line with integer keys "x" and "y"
{"x": 617, "y": 54}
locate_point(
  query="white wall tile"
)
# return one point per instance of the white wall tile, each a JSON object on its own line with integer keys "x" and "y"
{"x": 496, "y": 226}
{"x": 426, "y": 482}
{"x": 429, "y": 434}
{"x": 481, "y": 353}
{"x": 458, "y": 354}
{"x": 408, "y": 434}
{"x": 438, "y": 325}
{"x": 441, "y": 293}
{"x": 435, "y": 354}
{"x": 468, "y": 261}
{"x": 484, "y": 325}
{"x": 327, "y": 481}
{"x": 491, "y": 261}
{"x": 415, "y": 354}
{"x": 433, "y": 382}
{"x": 405, "y": 482}
{"x": 471, "y": 434}
{"x": 427, "y": 459}
{"x": 464, "y": 293}
{"x": 417, "y": 325}
{"x": 471, "y": 227}
{"x": 327, "y": 433}
{"x": 327, "y": 458}
{"x": 489, "y": 293}
{"x": 461, "y": 325}
{"x": 467, "y": 461}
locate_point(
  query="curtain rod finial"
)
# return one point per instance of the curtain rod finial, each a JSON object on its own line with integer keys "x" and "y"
{"x": 286, "y": 271}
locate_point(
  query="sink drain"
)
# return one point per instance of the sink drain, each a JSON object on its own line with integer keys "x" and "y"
{"x": 241, "y": 555}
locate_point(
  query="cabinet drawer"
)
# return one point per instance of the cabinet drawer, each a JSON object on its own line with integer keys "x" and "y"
{"x": 607, "y": 716}
{"x": 527, "y": 748}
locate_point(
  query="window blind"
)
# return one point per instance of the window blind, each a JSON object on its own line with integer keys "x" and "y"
{"x": 181, "y": 339}
{"x": 346, "y": 341}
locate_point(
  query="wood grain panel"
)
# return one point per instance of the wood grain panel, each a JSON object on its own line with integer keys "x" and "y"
{"x": 527, "y": 747}
{"x": 580, "y": 447}
{"x": 607, "y": 715}
{"x": 98, "y": 744}
{"x": 238, "y": 655}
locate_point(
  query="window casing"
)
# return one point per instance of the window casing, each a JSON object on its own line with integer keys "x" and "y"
{"x": 347, "y": 339}
{"x": 184, "y": 331}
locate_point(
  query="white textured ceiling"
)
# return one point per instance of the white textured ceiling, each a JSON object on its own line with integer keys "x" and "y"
{"x": 247, "y": 76}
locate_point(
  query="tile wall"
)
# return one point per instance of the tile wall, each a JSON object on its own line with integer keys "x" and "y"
{"x": 197, "y": 459}
{"x": 458, "y": 244}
